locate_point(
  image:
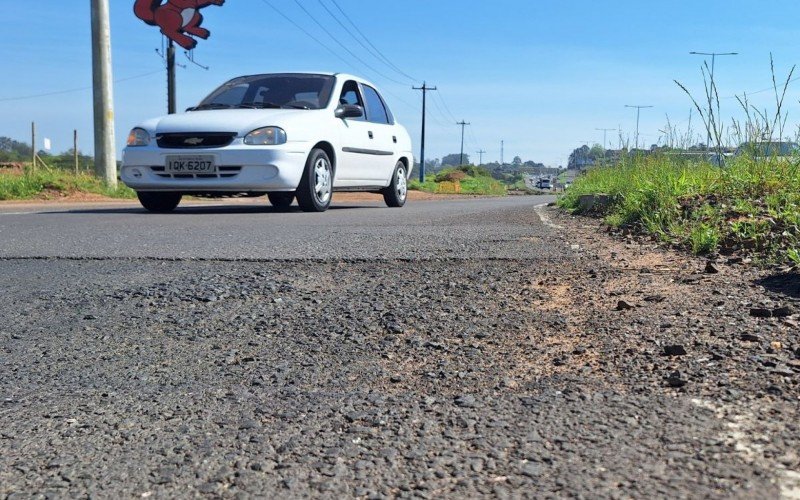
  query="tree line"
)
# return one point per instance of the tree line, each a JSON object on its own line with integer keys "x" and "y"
{"x": 13, "y": 152}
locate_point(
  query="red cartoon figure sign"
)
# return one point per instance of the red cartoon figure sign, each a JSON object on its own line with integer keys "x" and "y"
{"x": 177, "y": 18}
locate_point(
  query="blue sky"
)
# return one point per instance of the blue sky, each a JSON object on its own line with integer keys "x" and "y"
{"x": 541, "y": 75}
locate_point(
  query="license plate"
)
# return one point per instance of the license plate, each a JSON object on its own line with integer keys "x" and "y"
{"x": 196, "y": 164}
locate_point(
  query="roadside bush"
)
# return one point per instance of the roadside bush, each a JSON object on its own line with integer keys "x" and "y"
{"x": 751, "y": 205}
{"x": 47, "y": 183}
{"x": 451, "y": 176}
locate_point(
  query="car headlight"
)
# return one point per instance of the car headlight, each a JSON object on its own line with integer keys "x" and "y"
{"x": 138, "y": 137}
{"x": 267, "y": 136}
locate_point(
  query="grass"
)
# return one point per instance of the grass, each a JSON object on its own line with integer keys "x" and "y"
{"x": 26, "y": 184}
{"x": 468, "y": 180}
{"x": 750, "y": 206}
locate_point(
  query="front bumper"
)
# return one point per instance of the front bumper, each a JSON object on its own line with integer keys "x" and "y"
{"x": 240, "y": 169}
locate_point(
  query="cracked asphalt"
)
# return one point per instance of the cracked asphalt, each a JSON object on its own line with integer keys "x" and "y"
{"x": 451, "y": 349}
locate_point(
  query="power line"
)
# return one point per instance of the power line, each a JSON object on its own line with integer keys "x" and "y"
{"x": 386, "y": 59}
{"x": 441, "y": 113}
{"x": 343, "y": 46}
{"x": 70, "y": 91}
{"x": 307, "y": 33}
{"x": 373, "y": 52}
{"x": 473, "y": 138}
{"x": 446, "y": 107}
{"x": 770, "y": 89}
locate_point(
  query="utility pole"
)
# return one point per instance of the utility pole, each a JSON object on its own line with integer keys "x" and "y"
{"x": 75, "y": 150}
{"x": 102, "y": 82}
{"x": 172, "y": 93}
{"x": 463, "y": 127}
{"x": 713, "y": 84}
{"x": 33, "y": 146}
{"x": 502, "y": 153}
{"x": 424, "y": 90}
{"x": 638, "y": 113}
{"x": 481, "y": 153}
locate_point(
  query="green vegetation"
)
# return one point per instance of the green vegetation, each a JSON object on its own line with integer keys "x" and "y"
{"x": 750, "y": 206}
{"x": 466, "y": 179}
{"x": 21, "y": 184}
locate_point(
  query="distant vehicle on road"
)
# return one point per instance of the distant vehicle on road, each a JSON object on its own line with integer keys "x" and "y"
{"x": 288, "y": 135}
{"x": 544, "y": 184}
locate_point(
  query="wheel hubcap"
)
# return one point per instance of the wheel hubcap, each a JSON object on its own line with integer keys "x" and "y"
{"x": 322, "y": 180}
{"x": 402, "y": 185}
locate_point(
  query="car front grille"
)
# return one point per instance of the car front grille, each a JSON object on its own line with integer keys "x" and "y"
{"x": 195, "y": 140}
{"x": 222, "y": 173}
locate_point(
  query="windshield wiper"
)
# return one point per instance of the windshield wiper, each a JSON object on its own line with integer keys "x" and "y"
{"x": 259, "y": 105}
{"x": 295, "y": 106}
{"x": 211, "y": 105}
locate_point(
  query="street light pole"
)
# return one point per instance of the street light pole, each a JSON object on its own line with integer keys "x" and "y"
{"x": 638, "y": 114}
{"x": 605, "y": 132}
{"x": 605, "y": 141}
{"x": 713, "y": 64}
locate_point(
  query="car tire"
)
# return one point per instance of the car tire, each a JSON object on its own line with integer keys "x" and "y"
{"x": 281, "y": 201}
{"x": 316, "y": 186}
{"x": 396, "y": 194}
{"x": 159, "y": 202}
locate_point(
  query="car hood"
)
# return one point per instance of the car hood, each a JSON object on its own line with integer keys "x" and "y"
{"x": 241, "y": 121}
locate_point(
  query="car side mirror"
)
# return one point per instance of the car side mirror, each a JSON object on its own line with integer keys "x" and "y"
{"x": 349, "y": 111}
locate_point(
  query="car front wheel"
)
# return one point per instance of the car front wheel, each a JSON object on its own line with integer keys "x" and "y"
{"x": 396, "y": 194}
{"x": 316, "y": 187}
{"x": 159, "y": 202}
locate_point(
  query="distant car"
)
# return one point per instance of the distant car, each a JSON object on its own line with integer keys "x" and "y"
{"x": 543, "y": 184}
{"x": 288, "y": 135}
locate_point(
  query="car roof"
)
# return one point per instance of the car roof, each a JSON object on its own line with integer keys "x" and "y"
{"x": 340, "y": 76}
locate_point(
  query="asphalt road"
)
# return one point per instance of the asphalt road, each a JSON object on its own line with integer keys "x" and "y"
{"x": 451, "y": 349}
{"x": 252, "y": 230}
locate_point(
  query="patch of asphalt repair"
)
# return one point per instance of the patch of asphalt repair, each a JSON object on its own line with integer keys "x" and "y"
{"x": 379, "y": 378}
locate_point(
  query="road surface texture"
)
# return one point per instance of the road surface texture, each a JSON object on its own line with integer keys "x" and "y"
{"x": 452, "y": 349}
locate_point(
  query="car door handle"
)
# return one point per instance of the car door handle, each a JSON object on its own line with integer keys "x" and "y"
{"x": 371, "y": 136}
{"x": 394, "y": 139}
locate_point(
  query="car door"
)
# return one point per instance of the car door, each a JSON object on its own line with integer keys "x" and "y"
{"x": 383, "y": 137}
{"x": 355, "y": 140}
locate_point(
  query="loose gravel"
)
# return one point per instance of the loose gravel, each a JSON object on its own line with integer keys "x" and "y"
{"x": 423, "y": 378}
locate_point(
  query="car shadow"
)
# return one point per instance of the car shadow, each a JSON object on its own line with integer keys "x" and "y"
{"x": 787, "y": 284}
{"x": 199, "y": 210}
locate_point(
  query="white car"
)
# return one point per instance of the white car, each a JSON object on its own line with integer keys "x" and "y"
{"x": 289, "y": 135}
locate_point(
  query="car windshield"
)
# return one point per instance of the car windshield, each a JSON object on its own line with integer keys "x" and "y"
{"x": 291, "y": 91}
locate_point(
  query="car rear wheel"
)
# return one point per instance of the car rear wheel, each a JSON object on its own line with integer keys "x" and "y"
{"x": 316, "y": 187}
{"x": 281, "y": 201}
{"x": 159, "y": 202}
{"x": 396, "y": 194}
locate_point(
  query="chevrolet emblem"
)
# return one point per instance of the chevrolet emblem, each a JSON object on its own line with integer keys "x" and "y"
{"x": 194, "y": 141}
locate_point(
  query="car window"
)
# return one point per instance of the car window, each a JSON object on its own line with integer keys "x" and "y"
{"x": 376, "y": 110}
{"x": 233, "y": 95}
{"x": 304, "y": 91}
{"x": 352, "y": 95}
